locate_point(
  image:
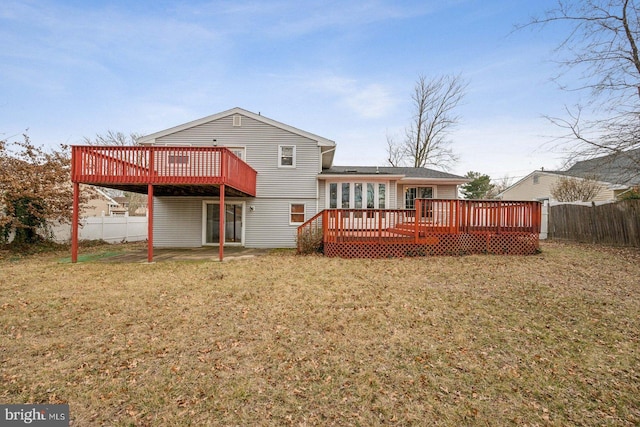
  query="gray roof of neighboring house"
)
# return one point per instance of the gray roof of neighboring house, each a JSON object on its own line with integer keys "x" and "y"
{"x": 387, "y": 170}
{"x": 618, "y": 168}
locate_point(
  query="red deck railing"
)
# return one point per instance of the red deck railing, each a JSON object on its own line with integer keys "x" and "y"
{"x": 106, "y": 165}
{"x": 425, "y": 225}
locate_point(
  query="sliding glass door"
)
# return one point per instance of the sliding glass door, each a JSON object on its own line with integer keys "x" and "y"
{"x": 232, "y": 223}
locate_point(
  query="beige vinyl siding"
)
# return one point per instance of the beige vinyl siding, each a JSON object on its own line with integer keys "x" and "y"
{"x": 177, "y": 222}
{"x": 322, "y": 195}
{"x": 538, "y": 186}
{"x": 392, "y": 196}
{"x": 447, "y": 192}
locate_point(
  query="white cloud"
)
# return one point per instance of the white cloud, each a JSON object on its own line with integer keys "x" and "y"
{"x": 367, "y": 101}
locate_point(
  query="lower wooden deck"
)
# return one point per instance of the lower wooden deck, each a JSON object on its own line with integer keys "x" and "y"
{"x": 435, "y": 227}
{"x": 393, "y": 246}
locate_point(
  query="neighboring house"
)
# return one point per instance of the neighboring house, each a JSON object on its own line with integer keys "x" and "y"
{"x": 615, "y": 174}
{"x": 295, "y": 179}
{"x": 101, "y": 204}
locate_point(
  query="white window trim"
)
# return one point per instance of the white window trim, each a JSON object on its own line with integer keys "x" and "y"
{"x": 241, "y": 148}
{"x": 376, "y": 193}
{"x": 406, "y": 187}
{"x": 216, "y": 202}
{"x": 237, "y": 120}
{"x": 280, "y": 165}
{"x": 291, "y": 213}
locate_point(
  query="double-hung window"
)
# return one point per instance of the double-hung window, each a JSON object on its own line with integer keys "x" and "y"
{"x": 296, "y": 213}
{"x": 286, "y": 156}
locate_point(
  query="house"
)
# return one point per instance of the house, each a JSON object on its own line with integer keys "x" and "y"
{"x": 240, "y": 178}
{"x": 295, "y": 180}
{"x": 99, "y": 203}
{"x": 615, "y": 174}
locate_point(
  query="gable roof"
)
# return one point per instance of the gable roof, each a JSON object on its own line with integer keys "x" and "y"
{"x": 150, "y": 139}
{"x": 405, "y": 173}
{"x": 617, "y": 168}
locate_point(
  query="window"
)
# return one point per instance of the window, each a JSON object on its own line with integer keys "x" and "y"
{"x": 333, "y": 195}
{"x": 238, "y": 151}
{"x": 536, "y": 179}
{"x": 287, "y": 156}
{"x": 296, "y": 213}
{"x": 356, "y": 195}
{"x": 413, "y": 193}
{"x": 178, "y": 160}
{"x": 345, "y": 195}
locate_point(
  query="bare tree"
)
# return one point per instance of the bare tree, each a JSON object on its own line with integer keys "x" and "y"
{"x": 570, "y": 189}
{"x": 426, "y": 141}
{"x": 113, "y": 138}
{"x": 499, "y": 185}
{"x": 601, "y": 48}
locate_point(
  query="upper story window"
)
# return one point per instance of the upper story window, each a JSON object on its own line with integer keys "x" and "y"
{"x": 238, "y": 151}
{"x": 536, "y": 179}
{"x": 287, "y": 156}
{"x": 178, "y": 159}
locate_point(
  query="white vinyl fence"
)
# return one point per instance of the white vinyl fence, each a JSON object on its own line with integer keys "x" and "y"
{"x": 112, "y": 229}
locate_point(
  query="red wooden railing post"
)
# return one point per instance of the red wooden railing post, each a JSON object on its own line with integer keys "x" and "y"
{"x": 325, "y": 225}
{"x": 221, "y": 228}
{"x": 74, "y": 221}
{"x": 417, "y": 204}
{"x": 150, "y": 222}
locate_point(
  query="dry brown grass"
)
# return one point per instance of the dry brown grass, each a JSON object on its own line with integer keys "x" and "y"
{"x": 551, "y": 339}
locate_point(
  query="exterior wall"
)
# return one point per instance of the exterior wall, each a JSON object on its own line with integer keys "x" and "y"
{"x": 268, "y": 224}
{"x": 537, "y": 186}
{"x": 177, "y": 222}
{"x": 322, "y": 195}
{"x": 261, "y": 143}
{"x": 96, "y": 207}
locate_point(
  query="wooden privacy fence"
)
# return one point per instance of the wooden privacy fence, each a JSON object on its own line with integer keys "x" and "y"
{"x": 612, "y": 224}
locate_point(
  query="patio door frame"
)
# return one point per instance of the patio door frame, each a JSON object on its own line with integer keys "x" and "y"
{"x": 216, "y": 205}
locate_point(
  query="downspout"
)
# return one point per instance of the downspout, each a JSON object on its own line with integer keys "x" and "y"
{"x": 318, "y": 181}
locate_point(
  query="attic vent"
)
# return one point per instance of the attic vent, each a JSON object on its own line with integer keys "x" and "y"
{"x": 237, "y": 120}
{"x": 351, "y": 170}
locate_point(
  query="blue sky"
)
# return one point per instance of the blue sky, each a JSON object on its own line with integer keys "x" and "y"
{"x": 341, "y": 69}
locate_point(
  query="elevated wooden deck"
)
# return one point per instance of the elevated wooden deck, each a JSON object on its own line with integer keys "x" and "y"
{"x": 172, "y": 170}
{"x": 160, "y": 171}
{"x": 435, "y": 227}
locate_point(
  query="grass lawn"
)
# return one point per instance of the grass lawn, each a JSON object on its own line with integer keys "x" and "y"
{"x": 549, "y": 339}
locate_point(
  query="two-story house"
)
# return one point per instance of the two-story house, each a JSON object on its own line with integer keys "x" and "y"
{"x": 295, "y": 179}
{"x": 239, "y": 178}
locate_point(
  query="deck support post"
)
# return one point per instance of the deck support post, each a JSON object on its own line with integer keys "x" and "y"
{"x": 150, "y": 223}
{"x": 221, "y": 230}
{"x": 74, "y": 222}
